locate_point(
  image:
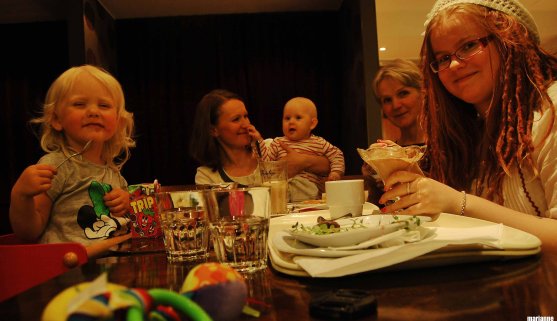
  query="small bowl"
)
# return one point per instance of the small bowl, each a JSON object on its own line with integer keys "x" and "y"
{"x": 371, "y": 229}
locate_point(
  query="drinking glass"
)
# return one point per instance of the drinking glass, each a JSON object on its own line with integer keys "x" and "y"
{"x": 386, "y": 160}
{"x": 239, "y": 226}
{"x": 184, "y": 224}
{"x": 274, "y": 174}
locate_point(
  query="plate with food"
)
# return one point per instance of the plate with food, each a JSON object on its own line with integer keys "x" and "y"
{"x": 350, "y": 231}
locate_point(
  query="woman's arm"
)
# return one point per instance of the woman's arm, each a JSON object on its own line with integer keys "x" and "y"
{"x": 544, "y": 228}
{"x": 298, "y": 162}
{"x": 424, "y": 196}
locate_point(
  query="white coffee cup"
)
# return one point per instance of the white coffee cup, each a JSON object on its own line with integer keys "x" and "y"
{"x": 345, "y": 197}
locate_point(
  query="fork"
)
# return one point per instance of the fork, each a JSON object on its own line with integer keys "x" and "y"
{"x": 76, "y": 153}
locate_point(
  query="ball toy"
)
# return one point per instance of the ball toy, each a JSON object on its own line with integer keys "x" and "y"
{"x": 56, "y": 310}
{"x": 220, "y": 290}
{"x": 100, "y": 300}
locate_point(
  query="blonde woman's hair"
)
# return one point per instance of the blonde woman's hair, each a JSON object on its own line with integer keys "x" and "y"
{"x": 116, "y": 151}
{"x": 402, "y": 70}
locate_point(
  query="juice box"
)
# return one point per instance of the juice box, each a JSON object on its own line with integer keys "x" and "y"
{"x": 142, "y": 211}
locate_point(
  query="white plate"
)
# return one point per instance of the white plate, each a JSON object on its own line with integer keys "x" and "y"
{"x": 514, "y": 244}
{"x": 286, "y": 243}
{"x": 373, "y": 226}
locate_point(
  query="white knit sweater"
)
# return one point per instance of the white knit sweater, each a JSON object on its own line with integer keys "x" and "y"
{"x": 543, "y": 188}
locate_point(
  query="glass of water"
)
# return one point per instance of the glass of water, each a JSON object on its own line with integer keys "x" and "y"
{"x": 184, "y": 224}
{"x": 239, "y": 226}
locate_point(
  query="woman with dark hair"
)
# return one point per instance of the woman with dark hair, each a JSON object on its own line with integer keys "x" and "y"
{"x": 489, "y": 117}
{"x": 222, "y": 142}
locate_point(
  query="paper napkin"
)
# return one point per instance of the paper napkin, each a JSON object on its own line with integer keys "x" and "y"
{"x": 489, "y": 235}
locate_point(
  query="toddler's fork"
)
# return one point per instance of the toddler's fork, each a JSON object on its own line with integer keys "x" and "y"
{"x": 76, "y": 153}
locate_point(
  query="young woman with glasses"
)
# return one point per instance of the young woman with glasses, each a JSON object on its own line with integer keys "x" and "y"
{"x": 489, "y": 116}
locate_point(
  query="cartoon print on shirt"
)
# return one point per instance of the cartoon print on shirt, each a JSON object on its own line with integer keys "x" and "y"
{"x": 96, "y": 220}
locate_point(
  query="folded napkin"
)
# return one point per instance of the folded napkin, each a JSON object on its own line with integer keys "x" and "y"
{"x": 407, "y": 237}
{"x": 489, "y": 235}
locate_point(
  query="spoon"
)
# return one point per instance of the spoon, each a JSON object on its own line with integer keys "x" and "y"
{"x": 76, "y": 153}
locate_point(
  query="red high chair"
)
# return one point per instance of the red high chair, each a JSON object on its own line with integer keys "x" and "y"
{"x": 24, "y": 265}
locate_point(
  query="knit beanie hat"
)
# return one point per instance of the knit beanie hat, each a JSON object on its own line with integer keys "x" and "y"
{"x": 511, "y": 7}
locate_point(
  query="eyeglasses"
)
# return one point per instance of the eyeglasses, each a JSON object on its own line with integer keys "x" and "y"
{"x": 466, "y": 51}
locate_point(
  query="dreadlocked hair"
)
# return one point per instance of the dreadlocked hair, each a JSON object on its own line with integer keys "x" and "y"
{"x": 468, "y": 150}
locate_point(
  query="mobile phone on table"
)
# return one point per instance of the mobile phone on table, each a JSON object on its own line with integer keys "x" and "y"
{"x": 343, "y": 304}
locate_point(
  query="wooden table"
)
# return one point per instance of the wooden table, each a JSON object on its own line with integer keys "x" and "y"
{"x": 499, "y": 290}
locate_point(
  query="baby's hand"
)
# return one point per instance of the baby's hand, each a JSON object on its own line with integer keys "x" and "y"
{"x": 255, "y": 135}
{"x": 334, "y": 176}
{"x": 34, "y": 180}
{"x": 117, "y": 201}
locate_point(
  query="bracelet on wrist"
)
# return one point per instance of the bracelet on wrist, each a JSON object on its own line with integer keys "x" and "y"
{"x": 463, "y": 203}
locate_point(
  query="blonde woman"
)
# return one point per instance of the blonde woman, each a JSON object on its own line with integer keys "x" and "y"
{"x": 397, "y": 87}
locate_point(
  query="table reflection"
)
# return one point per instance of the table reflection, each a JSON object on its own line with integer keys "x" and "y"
{"x": 155, "y": 271}
{"x": 494, "y": 290}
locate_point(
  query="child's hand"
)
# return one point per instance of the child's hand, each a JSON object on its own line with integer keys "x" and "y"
{"x": 34, "y": 180}
{"x": 255, "y": 135}
{"x": 334, "y": 176}
{"x": 117, "y": 201}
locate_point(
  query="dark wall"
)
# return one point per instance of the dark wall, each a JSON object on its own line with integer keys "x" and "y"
{"x": 359, "y": 61}
{"x": 91, "y": 34}
{"x": 32, "y": 55}
{"x": 167, "y": 64}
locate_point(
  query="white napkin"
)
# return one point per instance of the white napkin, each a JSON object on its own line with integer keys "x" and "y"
{"x": 408, "y": 237}
{"x": 489, "y": 235}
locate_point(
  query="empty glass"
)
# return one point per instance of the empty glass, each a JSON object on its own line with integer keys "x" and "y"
{"x": 184, "y": 224}
{"x": 239, "y": 225}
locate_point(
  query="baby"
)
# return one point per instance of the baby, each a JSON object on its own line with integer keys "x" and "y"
{"x": 298, "y": 120}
